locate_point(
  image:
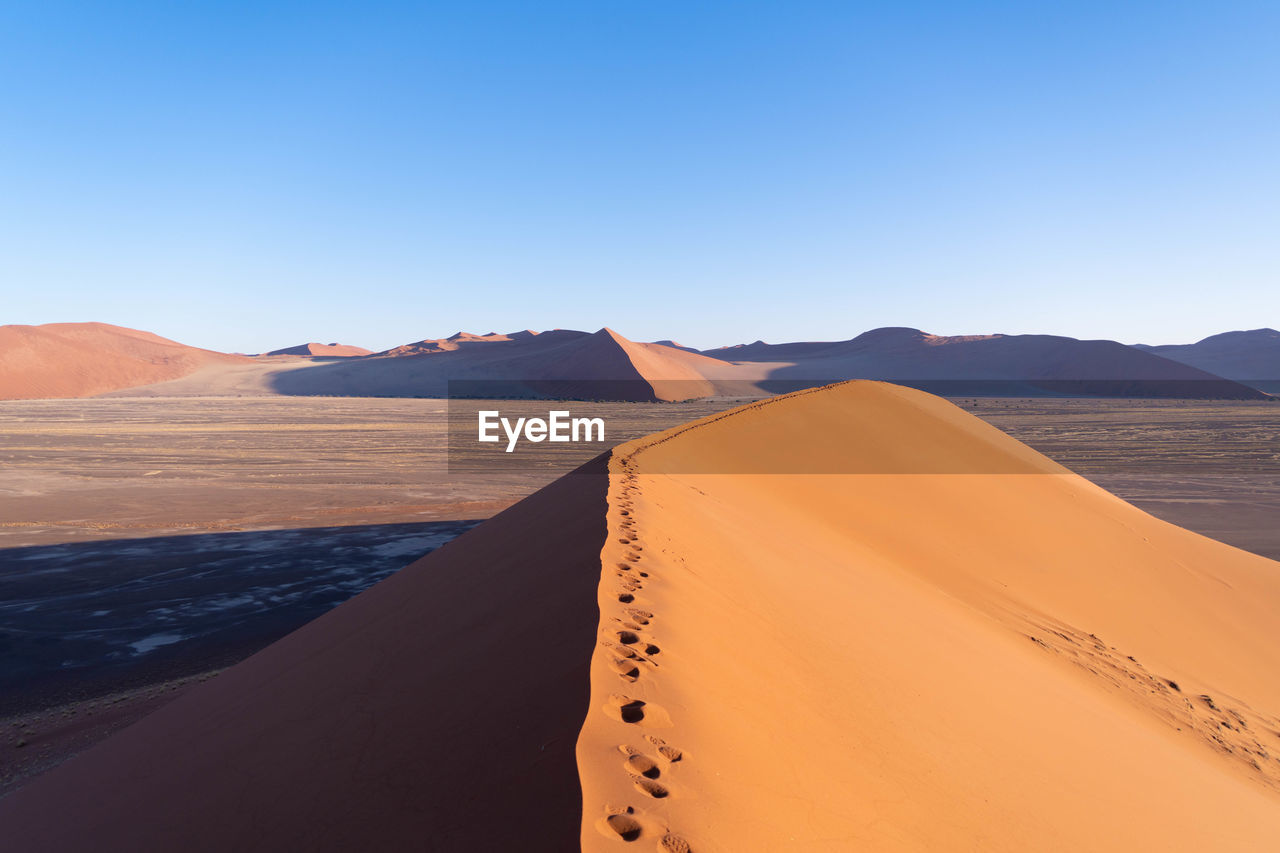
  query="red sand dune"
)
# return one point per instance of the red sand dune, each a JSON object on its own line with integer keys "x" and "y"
{"x": 851, "y": 618}
{"x": 83, "y": 359}
{"x": 559, "y": 363}
{"x": 334, "y": 350}
{"x": 607, "y": 366}
{"x": 455, "y": 341}
{"x": 674, "y": 345}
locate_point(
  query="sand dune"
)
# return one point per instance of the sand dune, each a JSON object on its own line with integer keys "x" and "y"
{"x": 1251, "y": 357}
{"x": 87, "y": 359}
{"x": 873, "y": 622}
{"x": 982, "y": 364}
{"x": 851, "y": 618}
{"x": 675, "y": 345}
{"x": 334, "y": 350}
{"x": 559, "y": 363}
{"x": 83, "y": 359}
{"x": 456, "y": 341}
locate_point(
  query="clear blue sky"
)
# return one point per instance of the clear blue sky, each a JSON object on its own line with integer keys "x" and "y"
{"x": 250, "y": 175}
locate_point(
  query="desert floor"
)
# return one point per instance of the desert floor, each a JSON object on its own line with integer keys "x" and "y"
{"x": 1211, "y": 467}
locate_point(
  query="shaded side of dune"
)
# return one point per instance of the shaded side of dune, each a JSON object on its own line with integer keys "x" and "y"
{"x": 436, "y": 711}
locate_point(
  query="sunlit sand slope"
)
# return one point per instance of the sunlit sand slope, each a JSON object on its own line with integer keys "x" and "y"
{"x": 966, "y": 648}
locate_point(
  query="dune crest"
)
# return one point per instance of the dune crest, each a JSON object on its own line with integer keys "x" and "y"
{"x": 967, "y": 647}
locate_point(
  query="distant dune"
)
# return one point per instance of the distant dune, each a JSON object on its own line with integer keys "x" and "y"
{"x": 455, "y": 341}
{"x": 992, "y": 364}
{"x": 674, "y": 345}
{"x": 332, "y": 350}
{"x": 562, "y": 363}
{"x": 892, "y": 627}
{"x": 83, "y": 359}
{"x": 1251, "y": 357}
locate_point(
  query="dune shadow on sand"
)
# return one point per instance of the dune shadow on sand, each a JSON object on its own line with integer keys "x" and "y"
{"x": 82, "y": 618}
{"x": 437, "y": 710}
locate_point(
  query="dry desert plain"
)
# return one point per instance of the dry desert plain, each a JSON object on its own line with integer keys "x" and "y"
{"x": 79, "y": 470}
{"x": 92, "y": 473}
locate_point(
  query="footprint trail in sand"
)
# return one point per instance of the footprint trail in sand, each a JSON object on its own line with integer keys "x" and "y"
{"x": 629, "y": 621}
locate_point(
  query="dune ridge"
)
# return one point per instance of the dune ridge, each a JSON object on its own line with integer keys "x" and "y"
{"x": 967, "y": 647}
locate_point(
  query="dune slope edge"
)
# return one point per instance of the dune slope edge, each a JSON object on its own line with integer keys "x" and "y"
{"x": 966, "y": 648}
{"x": 437, "y": 711}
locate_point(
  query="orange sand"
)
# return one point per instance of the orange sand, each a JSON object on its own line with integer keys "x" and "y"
{"x": 966, "y": 648}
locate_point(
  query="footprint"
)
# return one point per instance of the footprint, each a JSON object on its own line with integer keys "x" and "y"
{"x": 626, "y": 597}
{"x": 637, "y": 613}
{"x": 635, "y": 558}
{"x": 651, "y": 649}
{"x": 673, "y": 844}
{"x": 622, "y": 826}
{"x": 626, "y": 668}
{"x": 631, "y": 626}
{"x": 642, "y": 765}
{"x": 650, "y": 787}
{"x": 627, "y": 638}
{"x": 624, "y": 708}
{"x": 621, "y": 650}
{"x": 670, "y": 753}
